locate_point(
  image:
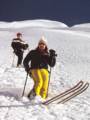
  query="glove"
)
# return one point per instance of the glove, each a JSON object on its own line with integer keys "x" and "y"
{"x": 52, "y": 52}
{"x": 27, "y": 70}
{"x": 25, "y": 46}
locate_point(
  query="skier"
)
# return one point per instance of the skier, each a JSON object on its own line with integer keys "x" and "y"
{"x": 19, "y": 46}
{"x": 40, "y": 58}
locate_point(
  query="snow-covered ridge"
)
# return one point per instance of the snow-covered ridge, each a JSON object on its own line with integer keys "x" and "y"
{"x": 84, "y": 25}
{"x": 33, "y": 23}
{"x": 81, "y": 27}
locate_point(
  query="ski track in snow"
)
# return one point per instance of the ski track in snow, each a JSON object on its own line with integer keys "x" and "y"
{"x": 73, "y": 64}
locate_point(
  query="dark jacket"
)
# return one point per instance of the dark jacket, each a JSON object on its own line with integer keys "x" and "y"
{"x": 38, "y": 60}
{"x": 19, "y": 45}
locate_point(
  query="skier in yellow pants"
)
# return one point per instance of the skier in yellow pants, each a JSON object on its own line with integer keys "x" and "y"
{"x": 36, "y": 64}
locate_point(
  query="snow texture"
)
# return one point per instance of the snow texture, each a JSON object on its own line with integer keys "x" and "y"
{"x": 73, "y": 64}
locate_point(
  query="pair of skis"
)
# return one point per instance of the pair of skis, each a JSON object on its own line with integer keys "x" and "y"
{"x": 65, "y": 96}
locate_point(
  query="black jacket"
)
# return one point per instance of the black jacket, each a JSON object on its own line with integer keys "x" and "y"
{"x": 19, "y": 45}
{"x": 38, "y": 60}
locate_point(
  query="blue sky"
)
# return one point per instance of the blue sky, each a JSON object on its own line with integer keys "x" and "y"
{"x": 70, "y": 12}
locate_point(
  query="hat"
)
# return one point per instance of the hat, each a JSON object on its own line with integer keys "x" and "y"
{"x": 19, "y": 34}
{"x": 43, "y": 40}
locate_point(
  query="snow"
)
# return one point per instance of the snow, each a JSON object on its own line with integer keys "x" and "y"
{"x": 33, "y": 23}
{"x": 73, "y": 64}
{"x": 82, "y": 27}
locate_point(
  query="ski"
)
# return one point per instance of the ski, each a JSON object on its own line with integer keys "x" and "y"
{"x": 63, "y": 94}
{"x": 79, "y": 91}
{"x": 63, "y": 97}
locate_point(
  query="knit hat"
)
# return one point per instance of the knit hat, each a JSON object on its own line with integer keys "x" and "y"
{"x": 43, "y": 40}
{"x": 19, "y": 34}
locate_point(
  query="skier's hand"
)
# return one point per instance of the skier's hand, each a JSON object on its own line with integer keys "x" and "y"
{"x": 27, "y": 70}
{"x": 52, "y": 52}
{"x": 25, "y": 46}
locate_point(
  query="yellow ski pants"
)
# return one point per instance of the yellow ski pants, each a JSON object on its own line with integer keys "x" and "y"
{"x": 41, "y": 78}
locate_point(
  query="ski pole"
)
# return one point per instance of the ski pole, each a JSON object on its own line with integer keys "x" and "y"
{"x": 25, "y": 84}
{"x": 50, "y": 77}
{"x": 49, "y": 80}
{"x": 13, "y": 59}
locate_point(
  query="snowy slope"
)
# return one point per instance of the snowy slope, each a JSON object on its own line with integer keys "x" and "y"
{"x": 73, "y": 64}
